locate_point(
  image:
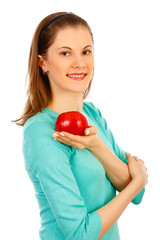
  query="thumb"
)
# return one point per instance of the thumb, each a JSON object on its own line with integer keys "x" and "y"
{"x": 128, "y": 155}
{"x": 90, "y": 130}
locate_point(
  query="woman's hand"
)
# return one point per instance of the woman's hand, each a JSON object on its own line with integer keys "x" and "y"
{"x": 137, "y": 170}
{"x": 88, "y": 141}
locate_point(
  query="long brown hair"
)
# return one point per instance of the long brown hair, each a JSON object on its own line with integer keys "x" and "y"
{"x": 39, "y": 91}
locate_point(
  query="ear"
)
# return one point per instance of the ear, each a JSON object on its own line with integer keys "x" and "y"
{"x": 42, "y": 63}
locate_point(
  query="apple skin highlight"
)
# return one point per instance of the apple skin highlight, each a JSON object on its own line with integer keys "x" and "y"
{"x": 72, "y": 122}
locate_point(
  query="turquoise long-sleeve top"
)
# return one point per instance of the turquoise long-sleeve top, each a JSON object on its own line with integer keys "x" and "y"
{"x": 70, "y": 184}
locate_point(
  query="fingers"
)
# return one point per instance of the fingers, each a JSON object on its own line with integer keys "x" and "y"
{"x": 76, "y": 141}
{"x": 138, "y": 159}
{"x": 88, "y": 131}
{"x": 79, "y": 142}
{"x": 68, "y": 142}
{"x": 137, "y": 167}
{"x": 135, "y": 157}
{"x": 129, "y": 157}
{"x": 91, "y": 130}
{"x": 67, "y": 136}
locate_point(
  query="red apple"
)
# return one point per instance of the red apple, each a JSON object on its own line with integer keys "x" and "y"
{"x": 72, "y": 122}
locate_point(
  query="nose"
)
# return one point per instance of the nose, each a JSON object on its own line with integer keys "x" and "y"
{"x": 78, "y": 62}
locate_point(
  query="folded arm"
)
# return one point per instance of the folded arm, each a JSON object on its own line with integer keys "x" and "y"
{"x": 115, "y": 163}
{"x": 116, "y": 170}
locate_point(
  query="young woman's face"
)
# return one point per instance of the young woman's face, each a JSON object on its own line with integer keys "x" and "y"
{"x": 71, "y": 53}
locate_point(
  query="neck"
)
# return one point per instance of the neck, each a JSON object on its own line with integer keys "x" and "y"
{"x": 66, "y": 103}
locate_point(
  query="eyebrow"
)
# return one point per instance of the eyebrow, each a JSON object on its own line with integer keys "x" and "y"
{"x": 71, "y": 48}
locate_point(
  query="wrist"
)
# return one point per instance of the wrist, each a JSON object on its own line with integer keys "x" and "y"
{"x": 138, "y": 184}
{"x": 98, "y": 142}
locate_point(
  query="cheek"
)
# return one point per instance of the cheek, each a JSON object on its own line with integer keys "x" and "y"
{"x": 91, "y": 62}
{"x": 55, "y": 68}
{"x": 91, "y": 66}
{"x": 57, "y": 73}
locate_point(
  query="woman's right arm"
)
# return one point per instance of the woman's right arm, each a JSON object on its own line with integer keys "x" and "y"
{"x": 110, "y": 213}
{"x": 48, "y": 161}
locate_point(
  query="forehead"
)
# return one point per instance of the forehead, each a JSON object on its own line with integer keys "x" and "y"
{"x": 73, "y": 36}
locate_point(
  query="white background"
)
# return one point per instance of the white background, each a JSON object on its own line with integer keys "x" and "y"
{"x": 125, "y": 89}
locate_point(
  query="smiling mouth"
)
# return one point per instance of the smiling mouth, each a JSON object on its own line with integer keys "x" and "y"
{"x": 76, "y": 76}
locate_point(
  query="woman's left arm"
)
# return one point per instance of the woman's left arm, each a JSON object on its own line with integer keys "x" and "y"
{"x": 119, "y": 153}
{"x": 116, "y": 170}
{"x": 116, "y": 166}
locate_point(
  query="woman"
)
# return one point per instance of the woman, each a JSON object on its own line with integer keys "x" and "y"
{"x": 75, "y": 177}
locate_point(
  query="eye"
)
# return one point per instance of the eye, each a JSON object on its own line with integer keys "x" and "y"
{"x": 64, "y": 53}
{"x": 85, "y": 52}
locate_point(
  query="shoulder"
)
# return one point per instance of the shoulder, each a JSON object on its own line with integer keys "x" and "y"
{"x": 90, "y": 106}
{"x": 38, "y": 140}
{"x": 38, "y": 130}
{"x": 38, "y": 119}
{"x": 42, "y": 153}
{"x": 92, "y": 110}
{"x": 95, "y": 114}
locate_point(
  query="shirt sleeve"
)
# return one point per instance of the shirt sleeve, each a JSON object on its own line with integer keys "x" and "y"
{"x": 120, "y": 153}
{"x": 49, "y": 161}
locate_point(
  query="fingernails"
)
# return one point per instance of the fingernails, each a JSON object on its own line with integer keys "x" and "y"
{"x": 54, "y": 134}
{"x": 61, "y": 134}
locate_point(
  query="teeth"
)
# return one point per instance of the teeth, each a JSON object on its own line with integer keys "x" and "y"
{"x": 76, "y": 75}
